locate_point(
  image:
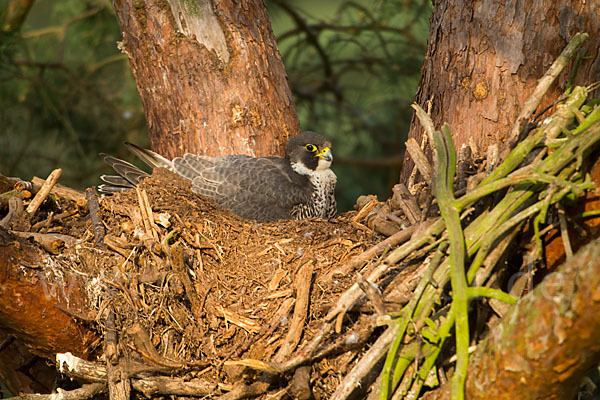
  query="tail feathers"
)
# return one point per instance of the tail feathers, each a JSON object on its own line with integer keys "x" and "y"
{"x": 130, "y": 175}
{"x": 114, "y": 184}
{"x": 151, "y": 158}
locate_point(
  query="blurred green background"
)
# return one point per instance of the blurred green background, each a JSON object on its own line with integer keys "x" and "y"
{"x": 66, "y": 91}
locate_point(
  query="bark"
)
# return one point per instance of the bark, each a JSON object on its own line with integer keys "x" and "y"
{"x": 484, "y": 59}
{"x": 209, "y": 75}
{"x": 39, "y": 308}
{"x": 15, "y": 14}
{"x": 37, "y": 316}
{"x": 546, "y": 343}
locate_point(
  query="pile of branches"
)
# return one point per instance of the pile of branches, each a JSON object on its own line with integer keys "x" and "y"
{"x": 414, "y": 306}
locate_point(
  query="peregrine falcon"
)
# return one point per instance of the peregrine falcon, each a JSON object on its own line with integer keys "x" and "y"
{"x": 299, "y": 185}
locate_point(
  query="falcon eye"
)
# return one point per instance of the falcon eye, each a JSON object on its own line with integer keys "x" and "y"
{"x": 310, "y": 147}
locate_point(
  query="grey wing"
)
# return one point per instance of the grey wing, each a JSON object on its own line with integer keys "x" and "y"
{"x": 258, "y": 188}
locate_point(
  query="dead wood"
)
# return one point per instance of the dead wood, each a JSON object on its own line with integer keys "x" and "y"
{"x": 85, "y": 392}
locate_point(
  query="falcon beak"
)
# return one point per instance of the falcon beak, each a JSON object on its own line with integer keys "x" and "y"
{"x": 325, "y": 154}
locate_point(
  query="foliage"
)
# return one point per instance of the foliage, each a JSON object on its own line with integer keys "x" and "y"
{"x": 65, "y": 92}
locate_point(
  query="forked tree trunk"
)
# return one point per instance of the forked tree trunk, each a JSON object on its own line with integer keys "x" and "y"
{"x": 210, "y": 76}
{"x": 484, "y": 59}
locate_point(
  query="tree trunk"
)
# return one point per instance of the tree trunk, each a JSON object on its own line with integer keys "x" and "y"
{"x": 546, "y": 343}
{"x": 210, "y": 76}
{"x": 484, "y": 59}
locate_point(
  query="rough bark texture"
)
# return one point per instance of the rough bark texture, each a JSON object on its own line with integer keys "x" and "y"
{"x": 209, "y": 75}
{"x": 40, "y": 308}
{"x": 546, "y": 342}
{"x": 37, "y": 316}
{"x": 484, "y": 59}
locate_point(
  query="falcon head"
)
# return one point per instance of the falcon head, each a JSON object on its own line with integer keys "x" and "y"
{"x": 309, "y": 152}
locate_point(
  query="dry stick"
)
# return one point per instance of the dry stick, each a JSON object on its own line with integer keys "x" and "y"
{"x": 163, "y": 385}
{"x": 51, "y": 242}
{"x": 150, "y": 215}
{"x": 542, "y": 87}
{"x": 15, "y": 208}
{"x": 175, "y": 258}
{"x": 44, "y": 191}
{"x": 58, "y": 190}
{"x": 300, "y": 386}
{"x": 97, "y": 226}
{"x": 85, "y": 392}
{"x": 407, "y": 203}
{"x": 413, "y": 174}
{"x": 119, "y": 385}
{"x": 303, "y": 281}
{"x": 365, "y": 210}
{"x": 76, "y": 367}
{"x": 366, "y": 364}
{"x": 243, "y": 391}
{"x": 564, "y": 233}
{"x": 372, "y": 293}
{"x": 352, "y": 339}
{"x": 146, "y": 213}
{"x": 394, "y": 240}
{"x": 462, "y": 167}
{"x": 267, "y": 330}
{"x": 419, "y": 158}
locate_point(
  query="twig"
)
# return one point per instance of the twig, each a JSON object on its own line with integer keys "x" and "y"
{"x": 419, "y": 158}
{"x": 146, "y": 213}
{"x": 267, "y": 330}
{"x": 557, "y": 123}
{"x": 392, "y": 241}
{"x": 425, "y": 120}
{"x": 97, "y": 226}
{"x": 85, "y": 392}
{"x": 366, "y": 364}
{"x": 243, "y": 391}
{"x": 303, "y": 283}
{"x": 175, "y": 257}
{"x": 75, "y": 367}
{"x": 372, "y": 293}
{"x": 119, "y": 385}
{"x": 58, "y": 190}
{"x": 162, "y": 385}
{"x": 51, "y": 242}
{"x": 407, "y": 203}
{"x": 44, "y": 191}
{"x": 365, "y": 210}
{"x": 353, "y": 339}
{"x": 462, "y": 168}
{"x": 15, "y": 208}
{"x": 564, "y": 233}
{"x": 542, "y": 87}
{"x": 300, "y": 385}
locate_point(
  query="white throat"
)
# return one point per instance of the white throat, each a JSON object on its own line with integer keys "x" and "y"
{"x": 322, "y": 167}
